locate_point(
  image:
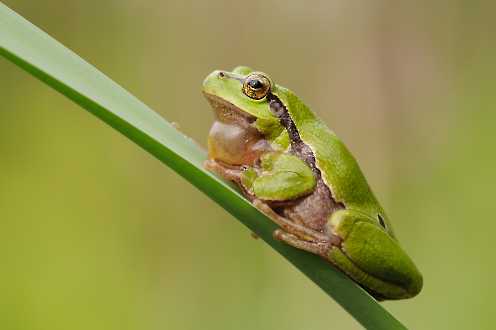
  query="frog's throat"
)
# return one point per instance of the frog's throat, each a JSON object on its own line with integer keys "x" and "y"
{"x": 224, "y": 108}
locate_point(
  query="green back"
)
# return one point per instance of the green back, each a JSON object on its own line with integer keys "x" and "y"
{"x": 340, "y": 171}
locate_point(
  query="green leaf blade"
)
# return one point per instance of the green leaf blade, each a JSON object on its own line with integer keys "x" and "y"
{"x": 37, "y": 53}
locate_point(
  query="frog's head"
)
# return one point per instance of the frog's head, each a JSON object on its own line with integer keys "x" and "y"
{"x": 242, "y": 90}
{"x": 369, "y": 253}
{"x": 244, "y": 126}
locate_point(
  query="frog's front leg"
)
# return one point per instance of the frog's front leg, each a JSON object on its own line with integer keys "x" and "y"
{"x": 279, "y": 177}
{"x": 228, "y": 173}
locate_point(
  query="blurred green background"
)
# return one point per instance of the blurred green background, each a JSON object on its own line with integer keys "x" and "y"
{"x": 97, "y": 234}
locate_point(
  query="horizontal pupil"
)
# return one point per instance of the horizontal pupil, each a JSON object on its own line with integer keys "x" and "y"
{"x": 255, "y": 84}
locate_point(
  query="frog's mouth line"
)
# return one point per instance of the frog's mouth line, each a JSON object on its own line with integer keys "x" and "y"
{"x": 228, "y": 110}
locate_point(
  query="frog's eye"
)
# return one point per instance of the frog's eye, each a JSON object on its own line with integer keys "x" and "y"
{"x": 256, "y": 86}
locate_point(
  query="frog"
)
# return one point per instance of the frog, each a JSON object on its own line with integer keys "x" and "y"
{"x": 294, "y": 169}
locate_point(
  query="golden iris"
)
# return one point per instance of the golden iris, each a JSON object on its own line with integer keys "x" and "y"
{"x": 256, "y": 86}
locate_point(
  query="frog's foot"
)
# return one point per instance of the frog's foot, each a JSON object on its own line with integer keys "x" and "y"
{"x": 318, "y": 248}
{"x": 231, "y": 174}
{"x": 299, "y": 231}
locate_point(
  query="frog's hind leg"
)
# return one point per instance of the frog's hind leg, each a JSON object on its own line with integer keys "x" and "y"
{"x": 299, "y": 231}
{"x": 318, "y": 248}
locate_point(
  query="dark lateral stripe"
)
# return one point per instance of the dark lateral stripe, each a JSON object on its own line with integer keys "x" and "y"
{"x": 280, "y": 111}
{"x": 298, "y": 147}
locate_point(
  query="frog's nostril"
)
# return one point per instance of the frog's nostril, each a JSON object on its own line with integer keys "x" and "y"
{"x": 221, "y": 74}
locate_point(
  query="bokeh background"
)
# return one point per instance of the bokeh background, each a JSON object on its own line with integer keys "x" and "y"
{"x": 97, "y": 234}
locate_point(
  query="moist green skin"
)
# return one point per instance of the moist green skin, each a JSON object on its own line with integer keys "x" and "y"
{"x": 339, "y": 168}
{"x": 368, "y": 251}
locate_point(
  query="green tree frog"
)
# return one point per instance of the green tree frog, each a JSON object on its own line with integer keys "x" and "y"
{"x": 293, "y": 168}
